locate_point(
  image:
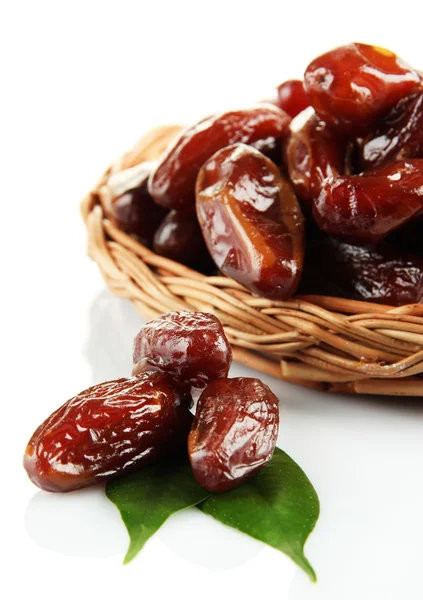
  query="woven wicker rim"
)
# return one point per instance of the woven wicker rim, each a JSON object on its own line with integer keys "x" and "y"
{"x": 325, "y": 343}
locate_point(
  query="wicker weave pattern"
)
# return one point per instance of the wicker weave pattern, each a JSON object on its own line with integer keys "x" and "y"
{"x": 325, "y": 343}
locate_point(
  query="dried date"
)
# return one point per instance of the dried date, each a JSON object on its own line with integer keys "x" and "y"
{"x": 313, "y": 152}
{"x": 353, "y": 86}
{"x": 398, "y": 137}
{"x": 251, "y": 221}
{"x": 108, "y": 429}
{"x": 365, "y": 208}
{"x": 292, "y": 97}
{"x": 128, "y": 204}
{"x": 234, "y": 432}
{"x": 384, "y": 274}
{"x": 172, "y": 184}
{"x": 190, "y": 346}
{"x": 179, "y": 237}
{"x": 272, "y": 148}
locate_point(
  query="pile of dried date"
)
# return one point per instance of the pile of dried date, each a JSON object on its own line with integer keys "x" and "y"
{"x": 122, "y": 425}
{"x": 318, "y": 191}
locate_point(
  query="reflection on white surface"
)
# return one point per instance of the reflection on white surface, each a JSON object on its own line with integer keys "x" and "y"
{"x": 80, "y": 523}
{"x": 113, "y": 325}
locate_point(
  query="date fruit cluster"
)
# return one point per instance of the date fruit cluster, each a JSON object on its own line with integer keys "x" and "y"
{"x": 334, "y": 159}
{"x": 122, "y": 425}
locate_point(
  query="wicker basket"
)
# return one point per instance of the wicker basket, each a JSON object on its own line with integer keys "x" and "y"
{"x": 328, "y": 344}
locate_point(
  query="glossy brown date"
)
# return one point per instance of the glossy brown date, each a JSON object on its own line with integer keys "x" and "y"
{"x": 172, "y": 184}
{"x": 251, "y": 221}
{"x": 384, "y": 274}
{"x": 234, "y": 432}
{"x": 313, "y": 152}
{"x": 190, "y": 346}
{"x": 365, "y": 208}
{"x": 353, "y": 86}
{"x": 179, "y": 237}
{"x": 128, "y": 204}
{"x": 398, "y": 137}
{"x": 292, "y": 97}
{"x": 108, "y": 429}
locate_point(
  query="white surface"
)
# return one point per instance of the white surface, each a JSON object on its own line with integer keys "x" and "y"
{"x": 80, "y": 82}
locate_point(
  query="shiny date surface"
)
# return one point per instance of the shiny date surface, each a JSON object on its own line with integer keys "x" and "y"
{"x": 365, "y": 208}
{"x": 179, "y": 237}
{"x": 128, "y": 204}
{"x": 313, "y": 152}
{"x": 353, "y": 86}
{"x": 106, "y": 430}
{"x": 190, "y": 346}
{"x": 399, "y": 136}
{"x": 292, "y": 97}
{"x": 172, "y": 184}
{"x": 251, "y": 221}
{"x": 234, "y": 432}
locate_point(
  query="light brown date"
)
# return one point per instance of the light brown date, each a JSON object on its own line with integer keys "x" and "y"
{"x": 251, "y": 221}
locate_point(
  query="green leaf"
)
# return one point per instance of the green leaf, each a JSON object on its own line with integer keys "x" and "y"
{"x": 278, "y": 506}
{"x": 148, "y": 497}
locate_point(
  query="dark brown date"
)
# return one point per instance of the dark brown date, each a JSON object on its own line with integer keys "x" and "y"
{"x": 172, "y": 184}
{"x": 313, "y": 152}
{"x": 179, "y": 237}
{"x": 292, "y": 97}
{"x": 234, "y": 432}
{"x": 108, "y": 429}
{"x": 384, "y": 274}
{"x": 128, "y": 204}
{"x": 251, "y": 221}
{"x": 409, "y": 238}
{"x": 365, "y": 208}
{"x": 353, "y": 86}
{"x": 190, "y": 346}
{"x": 398, "y": 137}
{"x": 270, "y": 147}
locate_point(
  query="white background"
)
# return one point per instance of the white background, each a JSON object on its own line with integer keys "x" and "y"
{"x": 80, "y": 82}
